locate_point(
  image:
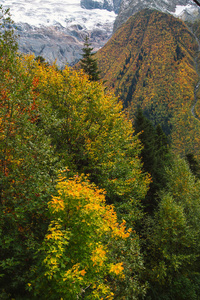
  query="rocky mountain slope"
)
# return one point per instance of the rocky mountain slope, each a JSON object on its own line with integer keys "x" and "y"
{"x": 56, "y": 30}
{"x": 59, "y": 44}
{"x": 150, "y": 63}
{"x": 185, "y": 9}
{"x": 110, "y": 5}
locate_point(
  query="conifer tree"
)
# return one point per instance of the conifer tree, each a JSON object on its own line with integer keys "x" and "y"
{"x": 154, "y": 155}
{"x": 8, "y": 43}
{"x": 172, "y": 240}
{"x": 88, "y": 63}
{"x": 193, "y": 164}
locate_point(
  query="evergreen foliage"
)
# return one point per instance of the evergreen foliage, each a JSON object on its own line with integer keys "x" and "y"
{"x": 8, "y": 43}
{"x": 41, "y": 60}
{"x": 154, "y": 155}
{"x": 193, "y": 164}
{"x": 172, "y": 240}
{"x": 88, "y": 63}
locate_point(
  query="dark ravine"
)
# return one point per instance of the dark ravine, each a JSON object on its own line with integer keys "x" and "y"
{"x": 195, "y": 101}
{"x": 198, "y": 73}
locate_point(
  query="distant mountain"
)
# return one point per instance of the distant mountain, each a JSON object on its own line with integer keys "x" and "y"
{"x": 56, "y": 29}
{"x": 185, "y": 9}
{"x": 151, "y": 62}
{"x": 59, "y": 44}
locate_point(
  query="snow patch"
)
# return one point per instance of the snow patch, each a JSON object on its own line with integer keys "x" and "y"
{"x": 181, "y": 8}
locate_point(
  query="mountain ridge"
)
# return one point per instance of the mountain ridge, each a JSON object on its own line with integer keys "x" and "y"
{"x": 149, "y": 62}
{"x": 184, "y": 9}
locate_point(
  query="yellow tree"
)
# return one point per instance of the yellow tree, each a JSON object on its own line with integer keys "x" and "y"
{"x": 76, "y": 255}
{"x": 91, "y": 133}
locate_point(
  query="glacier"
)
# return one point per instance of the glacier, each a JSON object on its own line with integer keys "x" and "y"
{"x": 56, "y": 29}
{"x": 65, "y": 13}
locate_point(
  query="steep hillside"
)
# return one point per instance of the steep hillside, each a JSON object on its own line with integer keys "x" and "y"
{"x": 185, "y": 9}
{"x": 150, "y": 63}
{"x": 195, "y": 28}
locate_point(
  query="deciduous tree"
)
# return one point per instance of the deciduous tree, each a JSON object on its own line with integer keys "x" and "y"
{"x": 77, "y": 250}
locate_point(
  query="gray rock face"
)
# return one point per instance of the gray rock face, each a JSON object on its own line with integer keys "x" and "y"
{"x": 58, "y": 43}
{"x": 130, "y": 7}
{"x": 92, "y": 4}
{"x": 50, "y": 43}
{"x": 117, "y": 4}
{"x": 110, "y": 5}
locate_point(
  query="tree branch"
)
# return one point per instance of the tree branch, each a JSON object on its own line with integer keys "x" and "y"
{"x": 198, "y": 3}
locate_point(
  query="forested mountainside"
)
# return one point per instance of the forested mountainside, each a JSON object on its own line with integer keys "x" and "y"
{"x": 195, "y": 28}
{"x": 151, "y": 63}
{"x": 91, "y": 207}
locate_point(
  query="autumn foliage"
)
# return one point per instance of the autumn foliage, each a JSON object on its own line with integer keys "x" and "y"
{"x": 150, "y": 63}
{"x": 74, "y": 217}
{"x": 77, "y": 248}
{"x": 65, "y": 232}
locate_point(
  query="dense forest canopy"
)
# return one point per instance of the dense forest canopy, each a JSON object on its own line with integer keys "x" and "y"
{"x": 91, "y": 207}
